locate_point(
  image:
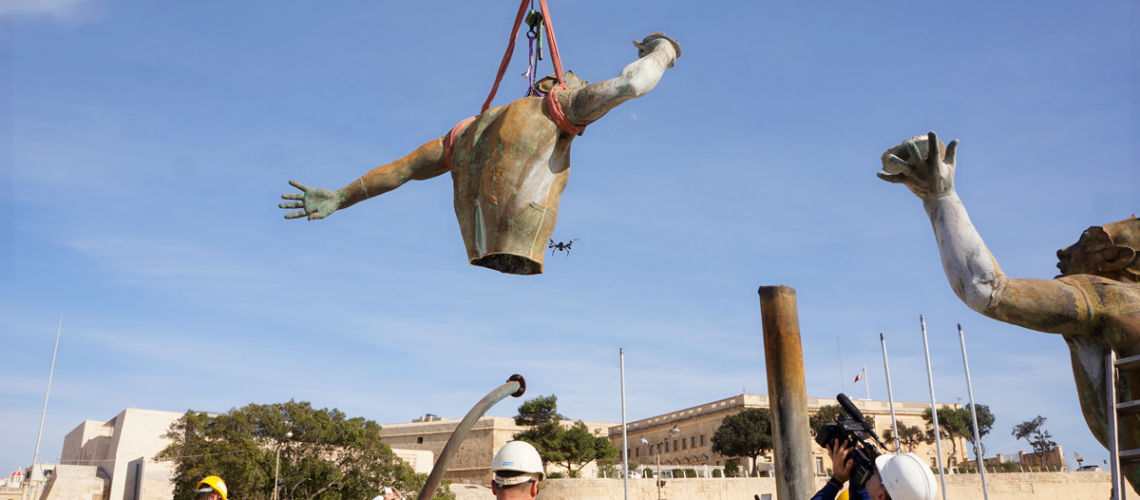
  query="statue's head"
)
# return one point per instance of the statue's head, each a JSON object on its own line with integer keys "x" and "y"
{"x": 1111, "y": 251}
{"x": 572, "y": 82}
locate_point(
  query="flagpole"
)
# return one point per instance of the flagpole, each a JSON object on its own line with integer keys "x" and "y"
{"x": 36, "y": 473}
{"x": 866, "y": 382}
{"x": 890, "y": 394}
{"x": 933, "y": 405}
{"x": 978, "y": 454}
{"x": 624, "y": 444}
{"x": 838, "y": 352}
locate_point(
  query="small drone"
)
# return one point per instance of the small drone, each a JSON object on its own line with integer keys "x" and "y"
{"x": 563, "y": 246}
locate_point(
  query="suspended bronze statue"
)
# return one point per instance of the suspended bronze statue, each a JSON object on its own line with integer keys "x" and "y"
{"x": 1094, "y": 303}
{"x": 509, "y": 164}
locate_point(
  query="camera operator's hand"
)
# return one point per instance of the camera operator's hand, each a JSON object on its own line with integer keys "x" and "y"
{"x": 840, "y": 464}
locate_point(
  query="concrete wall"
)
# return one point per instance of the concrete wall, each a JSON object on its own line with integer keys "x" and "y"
{"x": 119, "y": 453}
{"x": 1008, "y": 486}
{"x": 1052, "y": 460}
{"x": 88, "y": 443}
{"x": 137, "y": 435}
{"x": 76, "y": 482}
{"x": 420, "y": 460}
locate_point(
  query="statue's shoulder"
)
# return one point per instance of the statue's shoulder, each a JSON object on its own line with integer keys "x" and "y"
{"x": 1106, "y": 295}
{"x": 1094, "y": 281}
{"x": 519, "y": 112}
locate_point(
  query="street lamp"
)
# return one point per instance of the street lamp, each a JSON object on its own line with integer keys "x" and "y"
{"x": 672, "y": 432}
{"x": 277, "y": 465}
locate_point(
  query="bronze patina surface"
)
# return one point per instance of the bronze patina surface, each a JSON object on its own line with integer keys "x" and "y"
{"x": 509, "y": 166}
{"x": 1094, "y": 304}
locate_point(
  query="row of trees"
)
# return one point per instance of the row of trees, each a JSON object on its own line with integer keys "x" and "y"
{"x": 749, "y": 433}
{"x": 324, "y": 455}
{"x": 572, "y": 447}
{"x": 953, "y": 423}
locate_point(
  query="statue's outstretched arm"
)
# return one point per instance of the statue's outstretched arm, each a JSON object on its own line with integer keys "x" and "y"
{"x": 315, "y": 203}
{"x": 927, "y": 168}
{"x": 655, "y": 53}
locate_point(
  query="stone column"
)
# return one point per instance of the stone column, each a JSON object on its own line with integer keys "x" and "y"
{"x": 787, "y": 394}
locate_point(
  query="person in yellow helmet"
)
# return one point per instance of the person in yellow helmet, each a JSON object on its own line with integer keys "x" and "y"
{"x": 211, "y": 488}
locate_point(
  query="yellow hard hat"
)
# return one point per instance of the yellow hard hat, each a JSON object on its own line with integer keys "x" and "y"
{"x": 843, "y": 495}
{"x": 213, "y": 483}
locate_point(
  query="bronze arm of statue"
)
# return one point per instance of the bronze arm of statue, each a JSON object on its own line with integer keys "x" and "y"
{"x": 509, "y": 165}
{"x": 1094, "y": 303}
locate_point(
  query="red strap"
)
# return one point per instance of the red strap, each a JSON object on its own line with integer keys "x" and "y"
{"x": 449, "y": 141}
{"x": 554, "y": 57}
{"x": 510, "y": 51}
{"x": 557, "y": 114}
{"x": 555, "y": 107}
{"x": 552, "y": 104}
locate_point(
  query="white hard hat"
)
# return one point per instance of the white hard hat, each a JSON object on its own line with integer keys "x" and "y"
{"x": 906, "y": 477}
{"x": 516, "y": 456}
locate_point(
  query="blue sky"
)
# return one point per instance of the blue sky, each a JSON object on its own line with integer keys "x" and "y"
{"x": 146, "y": 145}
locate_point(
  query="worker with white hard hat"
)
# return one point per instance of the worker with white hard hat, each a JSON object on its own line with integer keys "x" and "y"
{"x": 518, "y": 469}
{"x": 897, "y": 477}
{"x": 901, "y": 477}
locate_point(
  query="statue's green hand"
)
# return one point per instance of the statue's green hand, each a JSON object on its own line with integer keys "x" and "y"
{"x": 315, "y": 203}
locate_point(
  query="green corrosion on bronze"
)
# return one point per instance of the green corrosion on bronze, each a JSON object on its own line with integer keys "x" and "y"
{"x": 509, "y": 165}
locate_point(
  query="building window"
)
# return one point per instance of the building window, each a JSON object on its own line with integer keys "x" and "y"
{"x": 819, "y": 465}
{"x": 637, "y": 452}
{"x": 693, "y": 441}
{"x": 674, "y": 445}
{"x": 666, "y": 447}
{"x": 420, "y": 440}
{"x": 684, "y": 444}
{"x": 702, "y": 439}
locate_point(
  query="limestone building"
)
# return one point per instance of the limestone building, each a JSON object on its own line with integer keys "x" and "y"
{"x": 472, "y": 462}
{"x": 115, "y": 459}
{"x": 692, "y": 445}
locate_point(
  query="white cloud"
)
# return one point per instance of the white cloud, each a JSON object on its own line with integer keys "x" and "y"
{"x": 56, "y": 9}
{"x": 164, "y": 259}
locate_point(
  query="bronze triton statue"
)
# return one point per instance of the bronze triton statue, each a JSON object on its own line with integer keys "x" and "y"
{"x": 1094, "y": 304}
{"x": 509, "y": 165}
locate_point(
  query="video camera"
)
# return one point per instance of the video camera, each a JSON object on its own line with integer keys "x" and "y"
{"x": 852, "y": 429}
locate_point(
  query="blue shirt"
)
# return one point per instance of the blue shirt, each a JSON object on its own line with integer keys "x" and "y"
{"x": 830, "y": 490}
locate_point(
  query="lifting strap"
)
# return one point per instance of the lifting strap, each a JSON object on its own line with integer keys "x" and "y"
{"x": 552, "y": 104}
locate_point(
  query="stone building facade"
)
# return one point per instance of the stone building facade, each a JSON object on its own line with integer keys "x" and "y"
{"x": 1053, "y": 460}
{"x": 472, "y": 462}
{"x": 114, "y": 459}
{"x": 692, "y": 446}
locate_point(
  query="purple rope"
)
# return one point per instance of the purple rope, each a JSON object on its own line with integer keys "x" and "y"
{"x": 532, "y": 68}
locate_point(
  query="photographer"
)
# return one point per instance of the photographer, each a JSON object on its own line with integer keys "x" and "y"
{"x": 896, "y": 477}
{"x": 840, "y": 473}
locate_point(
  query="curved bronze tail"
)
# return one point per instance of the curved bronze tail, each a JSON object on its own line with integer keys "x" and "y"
{"x": 515, "y": 387}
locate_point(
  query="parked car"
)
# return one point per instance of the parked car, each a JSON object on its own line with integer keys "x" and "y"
{"x": 1088, "y": 468}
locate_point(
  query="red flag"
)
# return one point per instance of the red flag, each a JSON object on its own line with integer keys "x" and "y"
{"x": 859, "y": 375}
